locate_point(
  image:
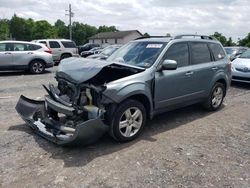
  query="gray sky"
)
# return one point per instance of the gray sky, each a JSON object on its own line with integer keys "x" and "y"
{"x": 157, "y": 17}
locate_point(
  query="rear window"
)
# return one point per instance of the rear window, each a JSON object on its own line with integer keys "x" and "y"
{"x": 217, "y": 51}
{"x": 68, "y": 44}
{"x": 200, "y": 53}
{"x": 54, "y": 44}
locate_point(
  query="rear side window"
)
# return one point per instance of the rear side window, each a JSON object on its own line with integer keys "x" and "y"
{"x": 179, "y": 53}
{"x": 34, "y": 47}
{"x": 200, "y": 53}
{"x": 54, "y": 44}
{"x": 217, "y": 51}
{"x": 20, "y": 47}
{"x": 68, "y": 44}
{"x": 25, "y": 47}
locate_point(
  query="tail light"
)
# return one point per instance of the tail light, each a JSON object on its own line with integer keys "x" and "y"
{"x": 48, "y": 50}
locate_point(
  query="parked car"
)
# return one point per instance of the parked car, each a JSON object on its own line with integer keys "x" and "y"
{"x": 141, "y": 79}
{"x": 105, "y": 53}
{"x": 95, "y": 50}
{"x": 234, "y": 52}
{"x": 87, "y": 47}
{"x": 61, "y": 48}
{"x": 241, "y": 68}
{"x": 19, "y": 55}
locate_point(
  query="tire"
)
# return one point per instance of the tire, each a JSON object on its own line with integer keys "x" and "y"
{"x": 37, "y": 67}
{"x": 216, "y": 97}
{"x": 124, "y": 127}
{"x": 64, "y": 56}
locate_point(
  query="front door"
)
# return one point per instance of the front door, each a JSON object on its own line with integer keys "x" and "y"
{"x": 174, "y": 86}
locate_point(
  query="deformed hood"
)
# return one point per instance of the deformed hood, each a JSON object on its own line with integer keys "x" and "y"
{"x": 79, "y": 70}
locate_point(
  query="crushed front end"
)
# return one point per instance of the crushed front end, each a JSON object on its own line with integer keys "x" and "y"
{"x": 70, "y": 113}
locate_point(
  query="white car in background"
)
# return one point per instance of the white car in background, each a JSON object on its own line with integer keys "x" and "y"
{"x": 61, "y": 48}
{"x": 20, "y": 55}
{"x": 241, "y": 68}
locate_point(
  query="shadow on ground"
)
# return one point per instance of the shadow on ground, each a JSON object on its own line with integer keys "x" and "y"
{"x": 80, "y": 156}
{"x": 19, "y": 73}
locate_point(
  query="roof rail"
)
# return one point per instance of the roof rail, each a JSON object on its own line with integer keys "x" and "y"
{"x": 146, "y": 37}
{"x": 206, "y": 37}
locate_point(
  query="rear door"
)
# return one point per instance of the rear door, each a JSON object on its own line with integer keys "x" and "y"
{"x": 203, "y": 67}
{"x": 56, "y": 50}
{"x": 6, "y": 56}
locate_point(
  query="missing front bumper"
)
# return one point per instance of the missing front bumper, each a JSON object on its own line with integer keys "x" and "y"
{"x": 35, "y": 114}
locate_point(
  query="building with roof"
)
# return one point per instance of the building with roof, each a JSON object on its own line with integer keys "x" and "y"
{"x": 118, "y": 37}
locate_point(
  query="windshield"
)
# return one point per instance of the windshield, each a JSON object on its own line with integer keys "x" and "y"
{"x": 108, "y": 50}
{"x": 246, "y": 55}
{"x": 142, "y": 54}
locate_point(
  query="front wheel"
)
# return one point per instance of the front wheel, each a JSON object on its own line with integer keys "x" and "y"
{"x": 128, "y": 121}
{"x": 216, "y": 97}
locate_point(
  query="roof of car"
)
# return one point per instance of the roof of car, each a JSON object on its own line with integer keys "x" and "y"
{"x": 17, "y": 41}
{"x": 54, "y": 40}
{"x": 168, "y": 39}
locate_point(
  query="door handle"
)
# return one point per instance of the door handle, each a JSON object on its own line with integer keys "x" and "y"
{"x": 8, "y": 53}
{"x": 30, "y": 53}
{"x": 214, "y": 68}
{"x": 189, "y": 73}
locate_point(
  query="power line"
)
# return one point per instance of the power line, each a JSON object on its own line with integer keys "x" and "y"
{"x": 70, "y": 14}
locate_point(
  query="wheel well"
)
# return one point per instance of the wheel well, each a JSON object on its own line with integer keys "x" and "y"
{"x": 144, "y": 100}
{"x": 222, "y": 81}
{"x": 37, "y": 59}
{"x": 66, "y": 54}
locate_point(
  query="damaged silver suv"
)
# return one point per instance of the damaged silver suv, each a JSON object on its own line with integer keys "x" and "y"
{"x": 143, "y": 78}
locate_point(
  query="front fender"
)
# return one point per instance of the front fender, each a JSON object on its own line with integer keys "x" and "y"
{"x": 130, "y": 90}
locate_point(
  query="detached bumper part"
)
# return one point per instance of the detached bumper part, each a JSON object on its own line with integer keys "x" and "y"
{"x": 35, "y": 115}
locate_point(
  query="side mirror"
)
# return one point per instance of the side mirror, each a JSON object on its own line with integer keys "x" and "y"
{"x": 169, "y": 65}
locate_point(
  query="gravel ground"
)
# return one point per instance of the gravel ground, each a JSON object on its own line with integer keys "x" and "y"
{"x": 189, "y": 147}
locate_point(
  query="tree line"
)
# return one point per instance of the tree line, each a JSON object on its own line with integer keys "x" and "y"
{"x": 28, "y": 29}
{"x": 18, "y": 28}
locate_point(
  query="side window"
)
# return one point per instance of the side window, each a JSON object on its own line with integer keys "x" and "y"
{"x": 179, "y": 53}
{"x": 20, "y": 47}
{"x": 33, "y": 47}
{"x": 200, "y": 53}
{"x": 217, "y": 51}
{"x": 2, "y": 47}
{"x": 68, "y": 44}
{"x": 54, "y": 44}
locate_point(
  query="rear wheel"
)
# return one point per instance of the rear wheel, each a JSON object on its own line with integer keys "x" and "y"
{"x": 128, "y": 122}
{"x": 216, "y": 97}
{"x": 64, "y": 56}
{"x": 37, "y": 67}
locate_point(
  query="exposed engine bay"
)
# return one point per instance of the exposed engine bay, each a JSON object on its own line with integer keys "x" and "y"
{"x": 73, "y": 110}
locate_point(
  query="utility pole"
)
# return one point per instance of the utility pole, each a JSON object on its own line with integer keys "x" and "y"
{"x": 70, "y": 14}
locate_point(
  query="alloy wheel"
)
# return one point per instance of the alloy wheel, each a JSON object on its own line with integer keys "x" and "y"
{"x": 217, "y": 97}
{"x": 130, "y": 122}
